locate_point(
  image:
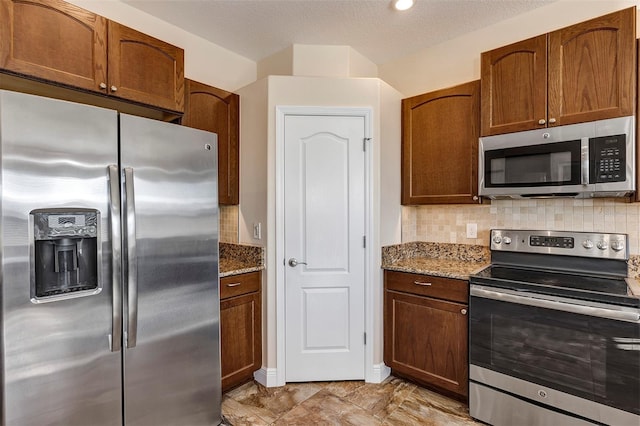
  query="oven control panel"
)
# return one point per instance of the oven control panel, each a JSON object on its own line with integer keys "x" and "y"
{"x": 584, "y": 244}
{"x": 547, "y": 241}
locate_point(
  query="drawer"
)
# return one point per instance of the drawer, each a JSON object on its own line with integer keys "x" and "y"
{"x": 427, "y": 285}
{"x": 236, "y": 285}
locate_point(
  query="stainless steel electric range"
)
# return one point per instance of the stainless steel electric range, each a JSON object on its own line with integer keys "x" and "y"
{"x": 554, "y": 332}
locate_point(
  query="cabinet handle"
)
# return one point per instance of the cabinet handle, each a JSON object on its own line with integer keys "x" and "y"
{"x": 542, "y": 121}
{"x": 463, "y": 311}
{"x": 103, "y": 85}
{"x": 233, "y": 285}
{"x": 552, "y": 120}
{"x": 114, "y": 89}
{"x": 421, "y": 283}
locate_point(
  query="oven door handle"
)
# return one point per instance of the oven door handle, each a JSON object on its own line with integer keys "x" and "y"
{"x": 612, "y": 314}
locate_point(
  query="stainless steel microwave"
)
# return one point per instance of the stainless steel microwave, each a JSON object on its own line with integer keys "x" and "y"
{"x": 594, "y": 159}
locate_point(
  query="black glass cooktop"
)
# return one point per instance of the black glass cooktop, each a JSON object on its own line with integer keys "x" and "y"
{"x": 598, "y": 289}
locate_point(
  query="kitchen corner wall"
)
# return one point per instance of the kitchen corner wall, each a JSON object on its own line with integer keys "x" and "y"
{"x": 448, "y": 223}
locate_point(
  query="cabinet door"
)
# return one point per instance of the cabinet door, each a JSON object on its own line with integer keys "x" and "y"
{"x": 53, "y": 40}
{"x": 440, "y": 146}
{"x": 514, "y": 87}
{"x": 216, "y": 110}
{"x": 240, "y": 337}
{"x": 592, "y": 69}
{"x": 426, "y": 339}
{"x": 145, "y": 69}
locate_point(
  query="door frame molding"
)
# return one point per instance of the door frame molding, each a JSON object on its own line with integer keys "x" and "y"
{"x": 370, "y": 371}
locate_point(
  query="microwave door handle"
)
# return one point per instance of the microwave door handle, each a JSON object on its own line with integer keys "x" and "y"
{"x": 115, "y": 339}
{"x": 584, "y": 160}
{"x": 132, "y": 264}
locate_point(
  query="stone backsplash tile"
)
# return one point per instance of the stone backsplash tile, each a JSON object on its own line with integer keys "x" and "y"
{"x": 243, "y": 253}
{"x": 229, "y": 224}
{"x": 459, "y": 252}
{"x": 447, "y": 223}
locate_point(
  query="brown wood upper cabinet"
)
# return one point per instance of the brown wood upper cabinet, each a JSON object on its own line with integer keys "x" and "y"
{"x": 216, "y": 110}
{"x": 440, "y": 133}
{"x": 580, "y": 73}
{"x": 59, "y": 42}
{"x": 145, "y": 69}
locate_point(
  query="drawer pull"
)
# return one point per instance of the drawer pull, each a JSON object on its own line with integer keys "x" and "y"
{"x": 233, "y": 285}
{"x": 421, "y": 283}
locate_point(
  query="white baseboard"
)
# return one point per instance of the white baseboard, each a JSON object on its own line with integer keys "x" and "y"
{"x": 267, "y": 377}
{"x": 379, "y": 373}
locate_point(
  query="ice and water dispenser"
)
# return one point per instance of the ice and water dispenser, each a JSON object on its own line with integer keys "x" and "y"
{"x": 65, "y": 256}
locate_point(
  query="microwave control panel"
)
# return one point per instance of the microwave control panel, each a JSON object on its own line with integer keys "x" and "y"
{"x": 607, "y": 159}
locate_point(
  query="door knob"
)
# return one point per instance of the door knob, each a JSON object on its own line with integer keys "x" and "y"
{"x": 293, "y": 262}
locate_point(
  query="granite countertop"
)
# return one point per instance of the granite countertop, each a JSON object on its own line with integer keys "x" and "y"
{"x": 238, "y": 259}
{"x": 438, "y": 259}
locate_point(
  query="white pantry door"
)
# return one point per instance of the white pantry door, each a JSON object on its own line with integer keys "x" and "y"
{"x": 324, "y": 221}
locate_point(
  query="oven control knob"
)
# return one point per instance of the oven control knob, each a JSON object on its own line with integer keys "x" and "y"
{"x": 506, "y": 240}
{"x": 588, "y": 244}
{"x": 617, "y": 245}
{"x": 497, "y": 239}
{"x": 602, "y": 245}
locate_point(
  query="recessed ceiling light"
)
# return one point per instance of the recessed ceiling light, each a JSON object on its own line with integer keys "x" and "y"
{"x": 403, "y": 4}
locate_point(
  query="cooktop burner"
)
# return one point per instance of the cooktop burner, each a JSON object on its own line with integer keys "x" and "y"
{"x": 597, "y": 289}
{"x": 577, "y": 265}
{"x": 553, "y": 279}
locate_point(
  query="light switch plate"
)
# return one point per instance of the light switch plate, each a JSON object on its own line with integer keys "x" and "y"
{"x": 257, "y": 231}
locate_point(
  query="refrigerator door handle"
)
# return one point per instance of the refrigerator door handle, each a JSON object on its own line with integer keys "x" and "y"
{"x": 115, "y": 339}
{"x": 132, "y": 264}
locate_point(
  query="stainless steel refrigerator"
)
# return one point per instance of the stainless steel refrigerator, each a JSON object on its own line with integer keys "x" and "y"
{"x": 109, "y": 268}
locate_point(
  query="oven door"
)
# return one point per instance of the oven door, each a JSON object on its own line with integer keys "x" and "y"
{"x": 584, "y": 360}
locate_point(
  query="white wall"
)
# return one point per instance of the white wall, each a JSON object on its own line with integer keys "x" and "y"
{"x": 317, "y": 61}
{"x": 458, "y": 60}
{"x": 280, "y": 63}
{"x": 204, "y": 61}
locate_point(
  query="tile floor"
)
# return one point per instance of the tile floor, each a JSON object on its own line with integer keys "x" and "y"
{"x": 393, "y": 402}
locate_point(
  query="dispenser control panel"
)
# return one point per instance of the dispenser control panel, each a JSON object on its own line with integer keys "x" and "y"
{"x": 50, "y": 226}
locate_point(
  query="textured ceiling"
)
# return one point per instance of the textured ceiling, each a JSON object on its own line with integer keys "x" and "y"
{"x": 257, "y": 29}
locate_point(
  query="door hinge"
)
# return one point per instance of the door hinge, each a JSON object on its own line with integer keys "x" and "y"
{"x": 364, "y": 241}
{"x": 364, "y": 143}
{"x": 365, "y": 338}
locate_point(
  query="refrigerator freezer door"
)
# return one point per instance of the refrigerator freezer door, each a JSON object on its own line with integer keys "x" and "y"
{"x": 57, "y": 365}
{"x": 172, "y": 372}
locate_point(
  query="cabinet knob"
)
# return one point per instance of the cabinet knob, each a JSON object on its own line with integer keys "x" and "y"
{"x": 114, "y": 89}
{"x": 552, "y": 120}
{"x": 463, "y": 311}
{"x": 475, "y": 198}
{"x": 103, "y": 85}
{"x": 542, "y": 121}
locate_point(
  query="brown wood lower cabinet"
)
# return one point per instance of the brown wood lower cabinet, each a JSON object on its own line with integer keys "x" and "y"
{"x": 425, "y": 330}
{"x": 240, "y": 328}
